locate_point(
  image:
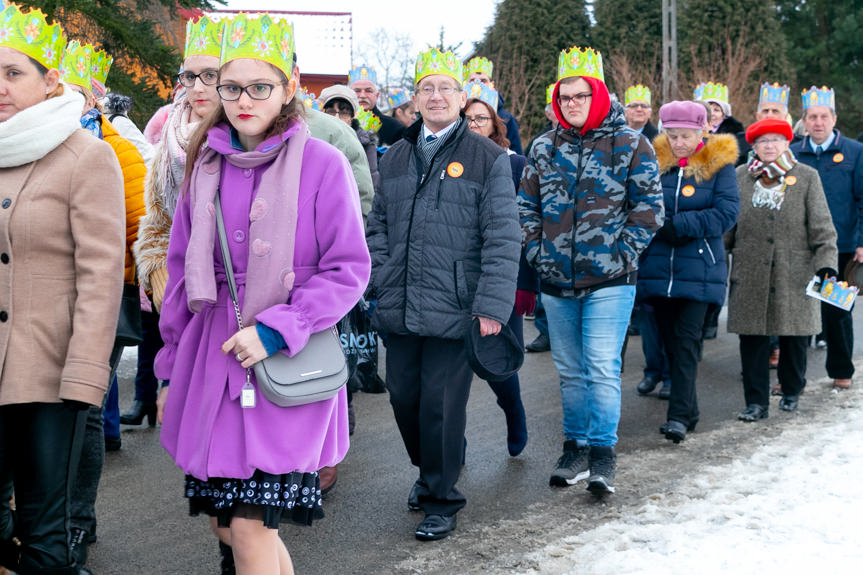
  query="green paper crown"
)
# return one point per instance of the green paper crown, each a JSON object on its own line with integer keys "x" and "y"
{"x": 480, "y": 65}
{"x": 259, "y": 37}
{"x": 368, "y": 121}
{"x": 75, "y": 68}
{"x": 707, "y": 91}
{"x": 580, "y": 62}
{"x": 549, "y": 93}
{"x": 30, "y": 34}
{"x": 100, "y": 64}
{"x": 204, "y": 37}
{"x": 637, "y": 92}
{"x": 433, "y": 61}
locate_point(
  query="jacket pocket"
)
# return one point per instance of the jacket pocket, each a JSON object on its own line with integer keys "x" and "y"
{"x": 460, "y": 281}
{"x": 707, "y": 252}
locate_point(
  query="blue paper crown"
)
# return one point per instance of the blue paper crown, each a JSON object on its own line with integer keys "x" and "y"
{"x": 398, "y": 98}
{"x": 774, "y": 93}
{"x": 822, "y": 96}
{"x": 363, "y": 72}
{"x": 482, "y": 92}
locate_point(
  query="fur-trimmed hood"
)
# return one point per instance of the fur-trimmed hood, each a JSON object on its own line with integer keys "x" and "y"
{"x": 718, "y": 150}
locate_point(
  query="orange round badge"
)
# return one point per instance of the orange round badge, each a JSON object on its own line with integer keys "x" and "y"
{"x": 688, "y": 191}
{"x": 838, "y": 158}
{"x": 790, "y": 180}
{"x": 455, "y": 170}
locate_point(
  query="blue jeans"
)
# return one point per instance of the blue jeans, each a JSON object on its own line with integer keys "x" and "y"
{"x": 539, "y": 319}
{"x": 587, "y": 335}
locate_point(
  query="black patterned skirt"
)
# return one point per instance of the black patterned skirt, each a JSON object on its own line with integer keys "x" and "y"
{"x": 273, "y": 499}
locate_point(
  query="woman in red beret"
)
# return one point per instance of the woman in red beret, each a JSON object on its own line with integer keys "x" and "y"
{"x": 784, "y": 235}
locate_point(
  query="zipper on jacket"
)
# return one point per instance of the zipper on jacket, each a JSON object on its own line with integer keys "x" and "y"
{"x": 671, "y": 263}
{"x": 710, "y": 251}
{"x": 437, "y": 200}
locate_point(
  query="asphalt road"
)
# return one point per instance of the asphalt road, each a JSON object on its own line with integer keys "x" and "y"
{"x": 144, "y": 526}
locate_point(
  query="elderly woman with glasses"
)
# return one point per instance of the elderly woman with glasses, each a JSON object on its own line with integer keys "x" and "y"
{"x": 783, "y": 235}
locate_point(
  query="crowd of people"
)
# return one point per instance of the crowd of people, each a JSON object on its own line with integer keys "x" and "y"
{"x": 249, "y": 218}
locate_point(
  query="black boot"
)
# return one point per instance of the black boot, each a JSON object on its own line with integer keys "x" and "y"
{"x": 227, "y": 564}
{"x": 136, "y": 413}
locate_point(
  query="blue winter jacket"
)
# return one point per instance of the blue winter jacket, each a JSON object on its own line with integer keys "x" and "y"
{"x": 841, "y": 169}
{"x": 702, "y": 201}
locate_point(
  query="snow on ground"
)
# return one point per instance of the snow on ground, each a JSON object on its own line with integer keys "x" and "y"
{"x": 794, "y": 506}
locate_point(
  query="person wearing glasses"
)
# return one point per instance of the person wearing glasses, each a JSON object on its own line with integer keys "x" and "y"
{"x": 636, "y": 101}
{"x": 783, "y": 236}
{"x": 684, "y": 270}
{"x": 341, "y": 102}
{"x": 481, "y": 118}
{"x": 444, "y": 238}
{"x": 265, "y": 169}
{"x": 480, "y": 70}
{"x": 589, "y": 202}
{"x": 363, "y": 80}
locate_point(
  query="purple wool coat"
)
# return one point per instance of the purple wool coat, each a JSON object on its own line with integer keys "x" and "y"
{"x": 204, "y": 429}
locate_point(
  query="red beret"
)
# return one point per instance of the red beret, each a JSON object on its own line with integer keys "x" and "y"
{"x": 769, "y": 126}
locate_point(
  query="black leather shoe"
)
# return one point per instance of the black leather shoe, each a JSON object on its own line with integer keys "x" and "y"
{"x": 690, "y": 427}
{"x": 136, "y": 413}
{"x": 78, "y": 545}
{"x": 675, "y": 431}
{"x": 540, "y": 344}
{"x": 753, "y": 412}
{"x": 665, "y": 391}
{"x": 647, "y": 385}
{"x": 788, "y": 403}
{"x": 435, "y": 527}
{"x": 414, "y": 497}
{"x": 113, "y": 443}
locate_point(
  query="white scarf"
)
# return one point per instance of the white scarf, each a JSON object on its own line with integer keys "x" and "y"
{"x": 33, "y": 132}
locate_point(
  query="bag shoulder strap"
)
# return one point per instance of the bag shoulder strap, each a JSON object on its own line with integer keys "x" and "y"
{"x": 226, "y": 256}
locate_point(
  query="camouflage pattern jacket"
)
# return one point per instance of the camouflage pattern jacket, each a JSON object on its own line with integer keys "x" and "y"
{"x": 589, "y": 205}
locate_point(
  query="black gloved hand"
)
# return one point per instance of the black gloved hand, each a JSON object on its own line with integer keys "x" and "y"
{"x": 668, "y": 233}
{"x": 824, "y": 273}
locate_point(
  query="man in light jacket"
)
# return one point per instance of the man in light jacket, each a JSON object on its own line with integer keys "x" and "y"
{"x": 445, "y": 244}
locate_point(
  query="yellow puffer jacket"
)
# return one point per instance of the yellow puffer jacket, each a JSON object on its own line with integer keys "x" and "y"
{"x": 134, "y": 171}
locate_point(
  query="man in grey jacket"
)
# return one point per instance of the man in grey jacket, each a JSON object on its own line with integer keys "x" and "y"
{"x": 445, "y": 244}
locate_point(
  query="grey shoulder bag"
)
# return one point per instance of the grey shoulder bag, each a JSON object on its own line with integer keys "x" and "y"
{"x": 316, "y": 372}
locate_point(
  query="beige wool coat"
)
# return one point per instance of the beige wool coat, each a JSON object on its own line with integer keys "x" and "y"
{"x": 62, "y": 246}
{"x": 774, "y": 255}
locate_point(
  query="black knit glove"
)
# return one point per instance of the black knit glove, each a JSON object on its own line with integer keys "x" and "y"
{"x": 824, "y": 273}
{"x": 668, "y": 233}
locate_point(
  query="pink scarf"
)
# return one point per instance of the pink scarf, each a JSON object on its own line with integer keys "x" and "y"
{"x": 271, "y": 241}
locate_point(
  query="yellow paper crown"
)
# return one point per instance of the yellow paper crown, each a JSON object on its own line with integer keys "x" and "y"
{"x": 204, "y": 37}
{"x": 100, "y": 64}
{"x": 580, "y": 62}
{"x": 711, "y": 91}
{"x": 480, "y": 65}
{"x": 433, "y": 61}
{"x": 259, "y": 37}
{"x": 30, "y": 34}
{"x": 549, "y": 93}
{"x": 75, "y": 68}
{"x": 368, "y": 121}
{"x": 637, "y": 92}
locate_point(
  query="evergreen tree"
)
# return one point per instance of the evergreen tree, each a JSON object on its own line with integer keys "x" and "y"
{"x": 524, "y": 42}
{"x": 144, "y": 64}
{"x": 824, "y": 44}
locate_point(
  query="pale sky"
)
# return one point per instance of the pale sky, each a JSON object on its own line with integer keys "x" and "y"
{"x": 463, "y": 20}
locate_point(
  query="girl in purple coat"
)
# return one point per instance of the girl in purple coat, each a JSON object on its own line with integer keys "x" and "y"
{"x": 251, "y": 468}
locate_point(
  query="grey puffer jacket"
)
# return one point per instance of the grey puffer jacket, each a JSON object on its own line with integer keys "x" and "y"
{"x": 445, "y": 243}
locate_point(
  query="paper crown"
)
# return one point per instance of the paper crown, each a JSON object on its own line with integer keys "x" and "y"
{"x": 308, "y": 99}
{"x": 368, "y": 121}
{"x": 259, "y": 37}
{"x": 433, "y": 61}
{"x": 480, "y": 91}
{"x": 711, "y": 91}
{"x": 774, "y": 93}
{"x": 100, "y": 64}
{"x": 822, "y": 96}
{"x": 204, "y": 37}
{"x": 30, "y": 34}
{"x": 363, "y": 72}
{"x": 398, "y": 98}
{"x": 580, "y": 62}
{"x": 75, "y": 68}
{"x": 637, "y": 92}
{"x": 549, "y": 93}
{"x": 479, "y": 65}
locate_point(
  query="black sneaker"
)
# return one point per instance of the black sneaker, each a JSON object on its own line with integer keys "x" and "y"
{"x": 539, "y": 345}
{"x": 602, "y": 464}
{"x": 572, "y": 466}
{"x": 78, "y": 545}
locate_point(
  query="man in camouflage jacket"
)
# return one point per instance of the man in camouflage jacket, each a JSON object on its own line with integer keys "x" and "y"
{"x": 589, "y": 204}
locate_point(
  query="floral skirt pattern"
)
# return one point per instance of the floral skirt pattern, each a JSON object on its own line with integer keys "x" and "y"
{"x": 271, "y": 498}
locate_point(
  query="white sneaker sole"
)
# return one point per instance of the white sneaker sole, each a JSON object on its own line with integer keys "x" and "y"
{"x": 559, "y": 481}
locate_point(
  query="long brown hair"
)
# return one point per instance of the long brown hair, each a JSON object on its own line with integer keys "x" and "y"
{"x": 498, "y": 133}
{"x": 288, "y": 114}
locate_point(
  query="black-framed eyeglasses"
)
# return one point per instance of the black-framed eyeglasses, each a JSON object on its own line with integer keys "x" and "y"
{"x": 208, "y": 78}
{"x": 257, "y": 91}
{"x": 341, "y": 114}
{"x": 479, "y": 121}
{"x": 579, "y": 99}
{"x": 638, "y": 105}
